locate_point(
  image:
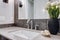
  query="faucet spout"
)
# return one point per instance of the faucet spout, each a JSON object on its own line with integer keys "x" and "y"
{"x": 28, "y": 20}
{"x": 31, "y": 23}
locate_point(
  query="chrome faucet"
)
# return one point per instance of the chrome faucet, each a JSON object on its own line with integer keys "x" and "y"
{"x": 28, "y": 23}
{"x": 31, "y": 22}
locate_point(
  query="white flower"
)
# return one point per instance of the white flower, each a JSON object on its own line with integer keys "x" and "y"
{"x": 58, "y": 3}
{"x": 57, "y": 6}
{"x": 54, "y": 3}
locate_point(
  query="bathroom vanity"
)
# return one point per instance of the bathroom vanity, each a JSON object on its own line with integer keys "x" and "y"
{"x": 6, "y": 34}
{"x": 3, "y": 38}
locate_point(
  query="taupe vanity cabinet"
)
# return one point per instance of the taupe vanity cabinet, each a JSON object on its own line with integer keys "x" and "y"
{"x": 3, "y": 38}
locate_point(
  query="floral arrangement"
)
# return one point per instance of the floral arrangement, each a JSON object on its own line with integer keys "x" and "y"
{"x": 53, "y": 9}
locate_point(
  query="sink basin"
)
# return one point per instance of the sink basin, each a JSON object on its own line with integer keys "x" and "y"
{"x": 25, "y": 35}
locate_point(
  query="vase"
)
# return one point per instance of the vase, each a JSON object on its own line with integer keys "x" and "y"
{"x": 53, "y": 26}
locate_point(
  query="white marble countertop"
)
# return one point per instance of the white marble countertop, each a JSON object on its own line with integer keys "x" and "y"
{"x": 6, "y": 33}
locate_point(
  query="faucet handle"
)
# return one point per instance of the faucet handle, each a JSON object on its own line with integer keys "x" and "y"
{"x": 36, "y": 26}
{"x": 28, "y": 20}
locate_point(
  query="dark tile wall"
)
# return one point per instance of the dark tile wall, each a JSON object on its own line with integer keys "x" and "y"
{"x": 43, "y": 23}
{"x": 21, "y": 23}
{"x": 5, "y": 25}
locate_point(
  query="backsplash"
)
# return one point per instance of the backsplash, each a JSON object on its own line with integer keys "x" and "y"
{"x": 5, "y": 25}
{"x": 42, "y": 23}
{"x": 21, "y": 23}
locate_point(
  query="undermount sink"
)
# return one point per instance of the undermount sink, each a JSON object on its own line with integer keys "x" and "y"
{"x": 25, "y": 35}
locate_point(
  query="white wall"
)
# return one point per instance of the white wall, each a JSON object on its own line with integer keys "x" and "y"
{"x": 26, "y": 12}
{"x": 39, "y": 13}
{"x": 22, "y": 12}
{"x": 30, "y": 9}
{"x": 6, "y": 12}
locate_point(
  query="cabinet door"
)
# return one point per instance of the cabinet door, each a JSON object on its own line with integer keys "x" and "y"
{"x": 0, "y": 37}
{"x": 3, "y": 38}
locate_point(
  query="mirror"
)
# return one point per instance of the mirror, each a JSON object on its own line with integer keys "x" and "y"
{"x": 33, "y": 9}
